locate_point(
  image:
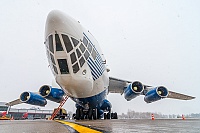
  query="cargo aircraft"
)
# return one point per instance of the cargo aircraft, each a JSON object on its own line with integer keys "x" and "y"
{"x": 80, "y": 69}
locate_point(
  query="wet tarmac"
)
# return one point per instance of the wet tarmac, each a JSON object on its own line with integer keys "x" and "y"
{"x": 115, "y": 126}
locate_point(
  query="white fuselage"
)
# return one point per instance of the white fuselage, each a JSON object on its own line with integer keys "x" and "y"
{"x": 75, "y": 57}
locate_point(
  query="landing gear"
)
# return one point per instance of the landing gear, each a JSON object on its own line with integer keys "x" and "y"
{"x": 82, "y": 114}
{"x": 110, "y": 115}
{"x": 93, "y": 114}
{"x": 114, "y": 116}
{"x": 107, "y": 115}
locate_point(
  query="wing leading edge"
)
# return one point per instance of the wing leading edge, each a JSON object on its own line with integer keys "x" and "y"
{"x": 15, "y": 102}
{"x": 180, "y": 96}
{"x": 118, "y": 86}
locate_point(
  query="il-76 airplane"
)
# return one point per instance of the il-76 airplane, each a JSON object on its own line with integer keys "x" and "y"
{"x": 80, "y": 69}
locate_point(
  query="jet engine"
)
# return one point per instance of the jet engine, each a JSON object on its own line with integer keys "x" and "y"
{"x": 53, "y": 94}
{"x": 33, "y": 99}
{"x": 133, "y": 90}
{"x": 156, "y": 94}
{"x": 105, "y": 105}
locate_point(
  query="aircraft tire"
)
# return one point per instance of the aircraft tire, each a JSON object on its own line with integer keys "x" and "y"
{"x": 108, "y": 115}
{"x": 90, "y": 114}
{"x": 77, "y": 114}
{"x": 105, "y": 116}
{"x": 94, "y": 113}
{"x": 81, "y": 114}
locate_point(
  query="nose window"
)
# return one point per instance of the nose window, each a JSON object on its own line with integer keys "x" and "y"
{"x": 75, "y": 42}
{"x": 73, "y": 58}
{"x": 67, "y": 43}
{"x": 58, "y": 43}
{"x": 63, "y": 66}
{"x": 50, "y": 42}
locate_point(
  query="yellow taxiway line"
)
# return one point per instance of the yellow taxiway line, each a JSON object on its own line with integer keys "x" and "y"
{"x": 79, "y": 128}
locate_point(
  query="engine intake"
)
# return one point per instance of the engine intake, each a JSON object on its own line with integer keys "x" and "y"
{"x": 133, "y": 90}
{"x": 33, "y": 99}
{"x": 156, "y": 94}
{"x": 53, "y": 94}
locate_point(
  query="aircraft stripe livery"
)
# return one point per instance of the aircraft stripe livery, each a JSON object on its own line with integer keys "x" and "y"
{"x": 79, "y": 68}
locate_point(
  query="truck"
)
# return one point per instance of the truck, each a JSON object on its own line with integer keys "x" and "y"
{"x": 62, "y": 114}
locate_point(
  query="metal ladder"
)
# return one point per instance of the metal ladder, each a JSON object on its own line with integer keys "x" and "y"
{"x": 59, "y": 107}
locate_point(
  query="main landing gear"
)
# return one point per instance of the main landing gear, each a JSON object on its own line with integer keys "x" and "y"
{"x": 93, "y": 114}
{"x": 82, "y": 114}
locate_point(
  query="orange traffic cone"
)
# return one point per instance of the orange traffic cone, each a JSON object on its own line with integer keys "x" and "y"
{"x": 183, "y": 118}
{"x": 152, "y": 117}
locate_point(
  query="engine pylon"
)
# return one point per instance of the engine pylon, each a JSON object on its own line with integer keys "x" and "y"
{"x": 152, "y": 117}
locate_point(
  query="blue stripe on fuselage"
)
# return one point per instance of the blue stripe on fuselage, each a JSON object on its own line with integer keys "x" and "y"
{"x": 93, "y": 101}
{"x": 96, "y": 66}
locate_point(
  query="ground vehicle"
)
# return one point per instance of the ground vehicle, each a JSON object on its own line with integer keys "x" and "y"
{"x": 62, "y": 114}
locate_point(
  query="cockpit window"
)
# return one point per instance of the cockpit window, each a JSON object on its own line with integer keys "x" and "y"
{"x": 82, "y": 48}
{"x": 67, "y": 42}
{"x": 58, "y": 43}
{"x": 94, "y": 54}
{"x": 78, "y": 53}
{"x": 52, "y": 59}
{"x": 75, "y": 42}
{"x": 89, "y": 47}
{"x": 63, "y": 66}
{"x": 73, "y": 58}
{"x": 85, "y": 41}
{"x": 82, "y": 61}
{"x": 86, "y": 54}
{"x": 75, "y": 68}
{"x": 51, "y": 43}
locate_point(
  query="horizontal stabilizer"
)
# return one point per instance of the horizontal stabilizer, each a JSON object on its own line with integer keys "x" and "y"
{"x": 15, "y": 102}
{"x": 175, "y": 95}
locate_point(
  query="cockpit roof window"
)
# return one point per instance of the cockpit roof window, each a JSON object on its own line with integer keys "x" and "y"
{"x": 73, "y": 57}
{"x": 50, "y": 40}
{"x": 75, "y": 42}
{"x": 58, "y": 43}
{"x": 75, "y": 68}
{"x": 78, "y": 53}
{"x": 63, "y": 66}
{"x": 85, "y": 41}
{"x": 67, "y": 42}
{"x": 82, "y": 48}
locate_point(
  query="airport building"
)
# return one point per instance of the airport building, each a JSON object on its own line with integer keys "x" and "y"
{"x": 32, "y": 113}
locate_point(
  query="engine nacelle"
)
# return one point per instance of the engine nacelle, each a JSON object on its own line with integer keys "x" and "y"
{"x": 133, "y": 90}
{"x": 53, "y": 94}
{"x": 105, "y": 105}
{"x": 156, "y": 94}
{"x": 33, "y": 99}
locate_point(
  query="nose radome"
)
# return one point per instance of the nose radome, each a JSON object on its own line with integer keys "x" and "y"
{"x": 58, "y": 21}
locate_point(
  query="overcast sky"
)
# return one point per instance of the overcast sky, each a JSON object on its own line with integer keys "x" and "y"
{"x": 154, "y": 42}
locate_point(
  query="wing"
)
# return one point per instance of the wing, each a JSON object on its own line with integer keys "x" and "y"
{"x": 118, "y": 86}
{"x": 15, "y": 102}
{"x": 180, "y": 96}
